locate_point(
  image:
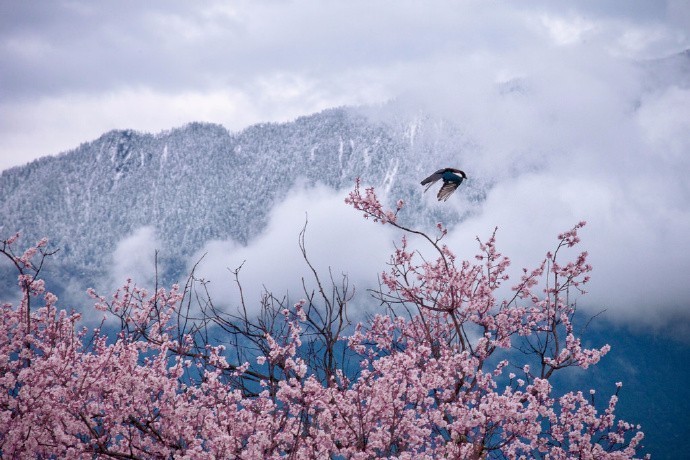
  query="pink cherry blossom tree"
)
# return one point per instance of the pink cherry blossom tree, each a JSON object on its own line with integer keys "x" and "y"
{"x": 446, "y": 369}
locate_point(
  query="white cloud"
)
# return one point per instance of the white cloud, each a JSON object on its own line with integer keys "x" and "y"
{"x": 135, "y": 258}
{"x": 640, "y": 261}
{"x": 337, "y": 239}
{"x": 601, "y": 149}
{"x": 664, "y": 119}
{"x": 72, "y": 71}
{"x": 566, "y": 31}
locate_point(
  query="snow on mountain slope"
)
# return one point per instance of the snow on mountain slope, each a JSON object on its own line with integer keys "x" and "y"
{"x": 200, "y": 182}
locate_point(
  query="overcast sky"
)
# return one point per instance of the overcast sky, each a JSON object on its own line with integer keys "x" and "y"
{"x": 72, "y": 70}
{"x": 607, "y": 141}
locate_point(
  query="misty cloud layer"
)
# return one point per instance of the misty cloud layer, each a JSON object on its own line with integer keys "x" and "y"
{"x": 589, "y": 140}
{"x": 337, "y": 239}
{"x": 135, "y": 258}
{"x": 73, "y": 70}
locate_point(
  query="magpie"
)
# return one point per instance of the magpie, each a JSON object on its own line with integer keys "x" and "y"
{"x": 452, "y": 178}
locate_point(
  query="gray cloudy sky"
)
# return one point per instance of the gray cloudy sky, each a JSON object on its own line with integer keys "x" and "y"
{"x": 592, "y": 135}
{"x": 71, "y": 70}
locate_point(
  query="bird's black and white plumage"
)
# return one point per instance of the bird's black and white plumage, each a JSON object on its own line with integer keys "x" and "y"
{"x": 451, "y": 177}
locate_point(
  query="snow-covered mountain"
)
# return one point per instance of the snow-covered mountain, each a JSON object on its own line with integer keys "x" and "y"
{"x": 201, "y": 182}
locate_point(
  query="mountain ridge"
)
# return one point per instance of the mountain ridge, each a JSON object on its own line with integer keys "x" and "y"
{"x": 201, "y": 182}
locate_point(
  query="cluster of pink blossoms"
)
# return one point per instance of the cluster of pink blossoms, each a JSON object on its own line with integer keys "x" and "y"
{"x": 436, "y": 377}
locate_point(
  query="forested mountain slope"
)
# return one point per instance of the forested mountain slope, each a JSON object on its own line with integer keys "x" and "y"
{"x": 201, "y": 182}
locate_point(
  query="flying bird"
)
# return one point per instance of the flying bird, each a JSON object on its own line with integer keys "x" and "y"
{"x": 452, "y": 178}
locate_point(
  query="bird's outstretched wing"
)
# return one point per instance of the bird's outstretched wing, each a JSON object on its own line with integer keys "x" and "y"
{"x": 447, "y": 190}
{"x": 433, "y": 178}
